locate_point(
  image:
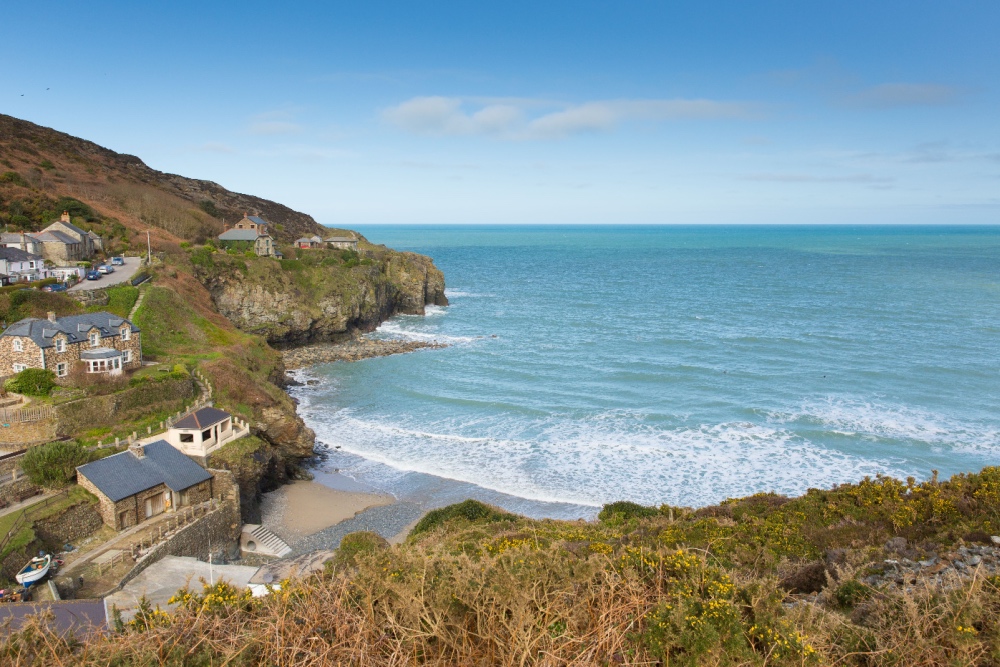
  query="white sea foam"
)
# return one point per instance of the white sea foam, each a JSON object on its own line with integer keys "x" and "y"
{"x": 462, "y": 294}
{"x": 853, "y": 417}
{"x": 598, "y": 460}
{"x": 403, "y": 330}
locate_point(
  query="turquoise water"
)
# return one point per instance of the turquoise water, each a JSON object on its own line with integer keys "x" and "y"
{"x": 675, "y": 364}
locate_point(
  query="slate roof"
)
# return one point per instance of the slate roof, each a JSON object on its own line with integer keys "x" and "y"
{"x": 75, "y": 327}
{"x": 258, "y": 220}
{"x": 122, "y": 475}
{"x": 100, "y": 353}
{"x": 341, "y": 239}
{"x": 203, "y": 418}
{"x": 68, "y": 225}
{"x": 18, "y": 255}
{"x": 55, "y": 237}
{"x": 241, "y": 235}
{"x": 15, "y": 237}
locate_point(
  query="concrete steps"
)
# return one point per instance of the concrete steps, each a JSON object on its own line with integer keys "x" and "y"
{"x": 258, "y": 539}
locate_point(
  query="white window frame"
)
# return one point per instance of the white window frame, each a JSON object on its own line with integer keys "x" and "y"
{"x": 60, "y": 344}
{"x": 18, "y": 345}
{"x": 61, "y": 369}
{"x": 20, "y": 367}
{"x": 126, "y": 356}
{"x": 126, "y": 333}
{"x": 95, "y": 339}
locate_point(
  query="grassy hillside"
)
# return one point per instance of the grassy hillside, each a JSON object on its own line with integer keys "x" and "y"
{"x": 643, "y": 586}
{"x": 43, "y": 172}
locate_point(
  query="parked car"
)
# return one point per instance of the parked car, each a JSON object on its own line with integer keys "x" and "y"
{"x": 105, "y": 268}
{"x": 55, "y": 287}
{"x": 118, "y": 261}
{"x": 93, "y": 275}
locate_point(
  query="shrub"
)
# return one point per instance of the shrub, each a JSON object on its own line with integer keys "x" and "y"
{"x": 210, "y": 208}
{"x": 355, "y": 544}
{"x": 32, "y": 382}
{"x": 624, "y": 510}
{"x": 54, "y": 464}
{"x": 16, "y": 179}
{"x": 470, "y": 510}
{"x": 47, "y": 165}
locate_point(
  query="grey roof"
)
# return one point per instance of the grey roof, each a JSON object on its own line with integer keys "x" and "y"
{"x": 18, "y": 255}
{"x": 68, "y": 225}
{"x": 76, "y": 327}
{"x": 341, "y": 239}
{"x": 15, "y": 237}
{"x": 315, "y": 239}
{"x": 100, "y": 353}
{"x": 56, "y": 237}
{"x": 241, "y": 235}
{"x": 122, "y": 475}
{"x": 258, "y": 220}
{"x": 203, "y": 418}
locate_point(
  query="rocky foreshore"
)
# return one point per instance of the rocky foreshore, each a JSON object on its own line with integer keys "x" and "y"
{"x": 352, "y": 350}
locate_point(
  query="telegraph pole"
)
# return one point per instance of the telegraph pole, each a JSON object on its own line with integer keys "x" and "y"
{"x": 149, "y": 250}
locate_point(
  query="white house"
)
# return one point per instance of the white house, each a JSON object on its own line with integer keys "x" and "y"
{"x": 203, "y": 431}
{"x": 21, "y": 265}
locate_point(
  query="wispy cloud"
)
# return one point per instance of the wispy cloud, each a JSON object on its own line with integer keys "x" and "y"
{"x": 795, "y": 177}
{"x": 215, "y": 147}
{"x": 530, "y": 119}
{"x": 270, "y": 123}
{"x": 892, "y": 95}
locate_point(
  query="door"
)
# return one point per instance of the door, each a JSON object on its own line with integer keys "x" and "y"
{"x": 154, "y": 505}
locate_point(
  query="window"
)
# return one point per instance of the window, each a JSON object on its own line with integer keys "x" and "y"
{"x": 127, "y": 356}
{"x": 187, "y": 437}
{"x": 18, "y": 346}
{"x": 61, "y": 369}
{"x": 95, "y": 339}
{"x": 19, "y": 367}
{"x": 206, "y": 435}
{"x": 60, "y": 344}
{"x": 225, "y": 426}
{"x": 126, "y": 333}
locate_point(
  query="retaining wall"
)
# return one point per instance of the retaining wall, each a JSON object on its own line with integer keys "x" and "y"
{"x": 28, "y": 433}
{"x": 99, "y": 411}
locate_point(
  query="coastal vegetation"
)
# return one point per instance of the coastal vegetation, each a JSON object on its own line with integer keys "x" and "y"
{"x": 762, "y": 580}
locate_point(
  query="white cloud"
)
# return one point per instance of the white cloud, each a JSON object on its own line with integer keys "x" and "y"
{"x": 526, "y": 119}
{"x": 274, "y": 127}
{"x": 890, "y": 95}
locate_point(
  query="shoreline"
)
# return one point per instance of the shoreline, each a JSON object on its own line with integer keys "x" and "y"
{"x": 355, "y": 349}
{"x": 302, "y": 509}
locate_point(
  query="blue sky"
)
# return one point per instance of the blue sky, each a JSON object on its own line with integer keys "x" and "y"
{"x": 536, "y": 112}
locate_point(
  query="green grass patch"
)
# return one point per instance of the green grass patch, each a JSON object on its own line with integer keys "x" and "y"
{"x": 121, "y": 299}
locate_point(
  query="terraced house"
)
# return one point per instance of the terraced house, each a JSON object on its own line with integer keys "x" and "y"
{"x": 100, "y": 342}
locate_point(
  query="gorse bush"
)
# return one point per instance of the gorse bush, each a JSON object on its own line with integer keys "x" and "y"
{"x": 624, "y": 510}
{"x": 54, "y": 464}
{"x": 32, "y": 382}
{"x": 469, "y": 510}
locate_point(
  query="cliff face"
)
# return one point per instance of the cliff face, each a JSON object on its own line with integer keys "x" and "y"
{"x": 320, "y": 297}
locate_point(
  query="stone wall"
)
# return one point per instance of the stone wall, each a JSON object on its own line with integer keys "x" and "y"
{"x": 28, "y": 433}
{"x": 11, "y": 463}
{"x": 111, "y": 410}
{"x": 79, "y": 521}
{"x": 91, "y": 297}
{"x": 18, "y": 490}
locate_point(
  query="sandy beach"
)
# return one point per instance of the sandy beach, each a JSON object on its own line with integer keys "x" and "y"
{"x": 302, "y": 508}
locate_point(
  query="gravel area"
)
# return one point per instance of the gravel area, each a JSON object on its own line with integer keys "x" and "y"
{"x": 387, "y": 521}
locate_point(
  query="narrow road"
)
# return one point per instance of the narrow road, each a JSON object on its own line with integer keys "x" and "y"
{"x": 122, "y": 274}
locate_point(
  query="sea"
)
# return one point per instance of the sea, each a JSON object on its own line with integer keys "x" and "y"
{"x": 672, "y": 364}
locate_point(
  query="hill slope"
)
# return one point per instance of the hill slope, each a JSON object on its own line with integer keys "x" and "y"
{"x": 40, "y": 166}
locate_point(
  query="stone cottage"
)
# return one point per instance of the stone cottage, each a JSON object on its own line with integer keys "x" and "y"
{"x": 342, "y": 242}
{"x": 203, "y": 431}
{"x": 144, "y": 481}
{"x": 105, "y": 343}
{"x": 310, "y": 242}
{"x": 64, "y": 243}
{"x": 253, "y": 230}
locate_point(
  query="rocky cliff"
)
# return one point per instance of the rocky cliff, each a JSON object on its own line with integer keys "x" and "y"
{"x": 323, "y": 295}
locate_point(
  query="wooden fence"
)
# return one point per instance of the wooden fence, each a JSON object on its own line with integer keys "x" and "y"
{"x": 20, "y": 415}
{"x": 24, "y": 516}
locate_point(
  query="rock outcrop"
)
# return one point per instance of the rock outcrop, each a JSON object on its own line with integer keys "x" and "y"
{"x": 321, "y": 298}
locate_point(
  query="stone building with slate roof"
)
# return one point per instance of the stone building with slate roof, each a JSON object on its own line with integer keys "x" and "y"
{"x": 342, "y": 242}
{"x": 144, "y": 481}
{"x": 64, "y": 243}
{"x": 100, "y": 342}
{"x": 253, "y": 230}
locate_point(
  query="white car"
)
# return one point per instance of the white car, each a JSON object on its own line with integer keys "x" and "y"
{"x": 105, "y": 269}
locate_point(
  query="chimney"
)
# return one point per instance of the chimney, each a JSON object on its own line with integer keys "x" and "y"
{"x": 137, "y": 450}
{"x": 65, "y": 217}
{"x": 52, "y": 316}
